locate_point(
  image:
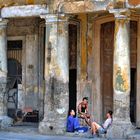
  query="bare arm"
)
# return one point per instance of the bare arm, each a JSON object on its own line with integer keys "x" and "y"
{"x": 79, "y": 108}
{"x": 87, "y": 109}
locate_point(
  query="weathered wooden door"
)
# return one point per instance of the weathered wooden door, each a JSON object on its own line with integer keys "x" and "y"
{"x": 107, "y": 43}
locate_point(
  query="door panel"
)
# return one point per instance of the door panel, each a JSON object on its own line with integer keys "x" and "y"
{"x": 133, "y": 44}
{"x": 107, "y": 43}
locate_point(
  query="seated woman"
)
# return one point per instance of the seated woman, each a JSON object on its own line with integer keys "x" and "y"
{"x": 101, "y": 129}
{"x": 73, "y": 123}
{"x": 83, "y": 110}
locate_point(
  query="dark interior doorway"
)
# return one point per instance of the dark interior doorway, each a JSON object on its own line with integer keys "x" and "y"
{"x": 72, "y": 89}
{"x": 133, "y": 96}
{"x": 72, "y": 66}
{"x": 14, "y": 54}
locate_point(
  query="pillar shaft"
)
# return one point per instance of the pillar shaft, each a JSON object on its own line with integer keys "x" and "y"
{"x": 56, "y": 76}
{"x": 121, "y": 70}
{"x": 3, "y": 47}
{"x": 121, "y": 126}
{"x": 3, "y": 64}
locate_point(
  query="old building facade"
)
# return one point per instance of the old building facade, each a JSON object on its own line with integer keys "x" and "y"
{"x": 53, "y": 53}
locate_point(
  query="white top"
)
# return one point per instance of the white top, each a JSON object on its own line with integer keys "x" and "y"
{"x": 107, "y": 123}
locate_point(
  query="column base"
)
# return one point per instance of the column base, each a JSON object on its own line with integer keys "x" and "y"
{"x": 120, "y": 129}
{"x": 138, "y": 124}
{"x": 51, "y": 128}
{"x": 5, "y": 122}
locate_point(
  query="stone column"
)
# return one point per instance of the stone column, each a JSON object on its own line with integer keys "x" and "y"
{"x": 5, "y": 120}
{"x": 56, "y": 76}
{"x": 121, "y": 126}
{"x": 3, "y": 64}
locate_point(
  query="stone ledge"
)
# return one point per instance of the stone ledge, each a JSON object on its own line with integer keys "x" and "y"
{"x": 24, "y": 11}
{"x": 84, "y": 6}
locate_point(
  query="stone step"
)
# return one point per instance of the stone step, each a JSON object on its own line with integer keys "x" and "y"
{"x": 23, "y": 127}
{"x": 134, "y": 137}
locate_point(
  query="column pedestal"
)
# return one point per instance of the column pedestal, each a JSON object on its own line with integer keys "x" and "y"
{"x": 56, "y": 76}
{"x": 121, "y": 126}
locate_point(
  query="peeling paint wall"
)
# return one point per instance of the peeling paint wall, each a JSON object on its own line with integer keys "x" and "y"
{"x": 90, "y": 47}
{"x": 83, "y": 47}
{"x": 84, "y": 83}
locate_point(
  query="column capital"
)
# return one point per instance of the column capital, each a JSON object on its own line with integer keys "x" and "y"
{"x": 121, "y": 13}
{"x": 54, "y": 18}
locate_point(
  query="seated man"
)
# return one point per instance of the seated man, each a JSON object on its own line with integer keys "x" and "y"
{"x": 73, "y": 123}
{"x": 102, "y": 129}
{"x": 71, "y": 120}
{"x": 83, "y": 110}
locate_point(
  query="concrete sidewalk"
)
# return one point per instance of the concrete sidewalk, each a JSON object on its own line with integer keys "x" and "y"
{"x": 21, "y": 136}
{"x": 29, "y": 131}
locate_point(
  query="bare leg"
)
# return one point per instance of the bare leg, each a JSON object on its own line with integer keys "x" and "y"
{"x": 87, "y": 118}
{"x": 95, "y": 127}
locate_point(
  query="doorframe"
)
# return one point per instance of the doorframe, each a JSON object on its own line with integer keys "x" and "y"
{"x": 106, "y": 104}
{"x": 77, "y": 23}
{"x": 97, "y": 82}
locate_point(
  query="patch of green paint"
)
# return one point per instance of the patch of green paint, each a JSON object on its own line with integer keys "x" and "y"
{"x": 120, "y": 81}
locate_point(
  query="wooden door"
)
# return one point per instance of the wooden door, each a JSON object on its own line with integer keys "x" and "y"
{"x": 107, "y": 43}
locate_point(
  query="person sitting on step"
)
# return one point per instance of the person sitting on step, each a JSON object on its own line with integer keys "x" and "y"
{"x": 83, "y": 110}
{"x": 73, "y": 123}
{"x": 102, "y": 129}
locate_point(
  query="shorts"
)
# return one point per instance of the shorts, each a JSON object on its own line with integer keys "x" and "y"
{"x": 79, "y": 114}
{"x": 101, "y": 130}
